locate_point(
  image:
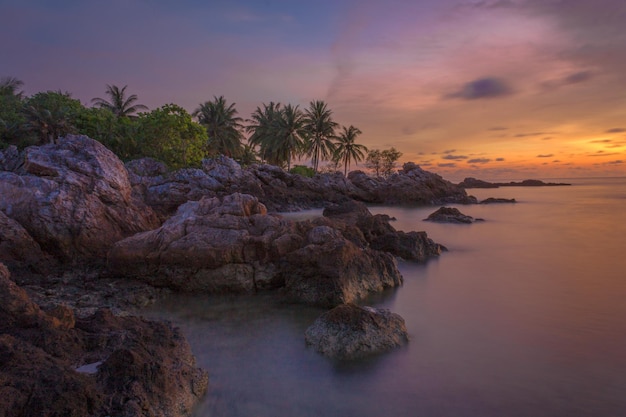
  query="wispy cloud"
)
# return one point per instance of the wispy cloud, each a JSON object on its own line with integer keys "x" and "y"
{"x": 478, "y": 161}
{"x": 451, "y": 157}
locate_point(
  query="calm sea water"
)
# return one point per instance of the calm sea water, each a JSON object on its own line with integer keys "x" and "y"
{"x": 525, "y": 315}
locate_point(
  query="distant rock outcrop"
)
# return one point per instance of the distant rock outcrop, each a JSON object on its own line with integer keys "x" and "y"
{"x": 281, "y": 191}
{"x": 450, "y": 215}
{"x": 349, "y": 331}
{"x": 475, "y": 183}
{"x": 54, "y": 364}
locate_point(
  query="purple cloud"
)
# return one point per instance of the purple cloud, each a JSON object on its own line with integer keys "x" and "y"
{"x": 488, "y": 87}
{"x": 447, "y": 165}
{"x": 550, "y": 155}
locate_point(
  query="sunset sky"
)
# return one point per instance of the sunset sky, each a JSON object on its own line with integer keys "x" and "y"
{"x": 496, "y": 89}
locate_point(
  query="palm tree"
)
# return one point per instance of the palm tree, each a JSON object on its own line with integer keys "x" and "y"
{"x": 291, "y": 135}
{"x": 222, "y": 125}
{"x": 321, "y": 127}
{"x": 48, "y": 124}
{"x": 9, "y": 86}
{"x": 347, "y": 150}
{"x": 119, "y": 104}
{"x": 263, "y": 126}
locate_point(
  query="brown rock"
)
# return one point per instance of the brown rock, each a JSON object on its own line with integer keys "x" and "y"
{"x": 54, "y": 365}
{"x": 73, "y": 198}
{"x": 349, "y": 331}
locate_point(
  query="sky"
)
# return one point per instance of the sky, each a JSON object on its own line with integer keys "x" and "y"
{"x": 493, "y": 89}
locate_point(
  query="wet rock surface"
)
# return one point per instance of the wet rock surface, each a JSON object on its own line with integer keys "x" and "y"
{"x": 349, "y": 332}
{"x": 55, "y": 364}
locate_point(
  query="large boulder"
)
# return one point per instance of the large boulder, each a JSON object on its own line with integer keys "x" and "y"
{"x": 73, "y": 198}
{"x": 349, "y": 332}
{"x": 337, "y": 271}
{"x": 53, "y": 364}
{"x": 211, "y": 245}
{"x": 232, "y": 244}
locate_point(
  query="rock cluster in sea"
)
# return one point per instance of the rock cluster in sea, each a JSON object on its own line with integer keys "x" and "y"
{"x": 82, "y": 231}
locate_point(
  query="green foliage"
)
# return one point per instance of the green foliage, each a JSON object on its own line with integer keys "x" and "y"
{"x": 51, "y": 114}
{"x": 116, "y": 133}
{"x": 248, "y": 156}
{"x": 382, "y": 162}
{"x": 346, "y": 149}
{"x": 170, "y": 135}
{"x": 12, "y": 121}
{"x": 303, "y": 171}
{"x": 222, "y": 125}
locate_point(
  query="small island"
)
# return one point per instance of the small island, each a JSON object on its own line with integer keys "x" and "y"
{"x": 476, "y": 183}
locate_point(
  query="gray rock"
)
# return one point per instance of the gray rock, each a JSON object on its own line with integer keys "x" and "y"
{"x": 73, "y": 198}
{"x": 349, "y": 331}
{"x": 450, "y": 215}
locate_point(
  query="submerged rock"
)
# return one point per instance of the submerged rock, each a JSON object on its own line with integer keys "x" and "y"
{"x": 492, "y": 200}
{"x": 349, "y": 331}
{"x": 450, "y": 215}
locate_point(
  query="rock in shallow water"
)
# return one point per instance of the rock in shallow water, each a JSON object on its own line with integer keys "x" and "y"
{"x": 450, "y": 215}
{"x": 349, "y": 331}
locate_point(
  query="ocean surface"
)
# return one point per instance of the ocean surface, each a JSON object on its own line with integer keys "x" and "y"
{"x": 525, "y": 315}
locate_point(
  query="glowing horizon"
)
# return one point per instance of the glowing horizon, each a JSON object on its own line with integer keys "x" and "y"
{"x": 493, "y": 89}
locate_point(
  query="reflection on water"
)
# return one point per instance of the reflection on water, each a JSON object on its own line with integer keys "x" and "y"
{"x": 524, "y": 316}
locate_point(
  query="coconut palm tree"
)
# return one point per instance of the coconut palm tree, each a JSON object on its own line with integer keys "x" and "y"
{"x": 119, "y": 104}
{"x": 263, "y": 126}
{"x": 346, "y": 150}
{"x": 319, "y": 122}
{"x": 222, "y": 125}
{"x": 291, "y": 135}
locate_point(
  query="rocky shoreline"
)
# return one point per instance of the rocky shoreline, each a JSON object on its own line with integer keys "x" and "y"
{"x": 89, "y": 241}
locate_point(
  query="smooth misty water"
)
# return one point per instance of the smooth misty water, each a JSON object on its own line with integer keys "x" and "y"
{"x": 524, "y": 316}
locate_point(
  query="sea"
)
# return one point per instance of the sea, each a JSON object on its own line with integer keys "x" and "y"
{"x": 524, "y": 315}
